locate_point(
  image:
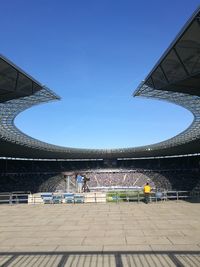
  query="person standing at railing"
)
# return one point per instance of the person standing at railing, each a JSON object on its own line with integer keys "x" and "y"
{"x": 79, "y": 180}
{"x": 147, "y": 192}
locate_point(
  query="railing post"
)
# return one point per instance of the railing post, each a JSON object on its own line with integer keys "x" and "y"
{"x": 127, "y": 197}
{"x": 68, "y": 184}
{"x": 165, "y": 194}
{"x": 10, "y": 198}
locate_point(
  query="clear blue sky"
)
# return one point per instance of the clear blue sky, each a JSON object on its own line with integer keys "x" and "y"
{"x": 93, "y": 54}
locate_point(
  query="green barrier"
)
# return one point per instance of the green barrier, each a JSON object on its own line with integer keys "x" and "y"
{"x": 124, "y": 196}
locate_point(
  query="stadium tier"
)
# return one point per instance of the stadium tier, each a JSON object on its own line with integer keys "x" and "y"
{"x": 179, "y": 173}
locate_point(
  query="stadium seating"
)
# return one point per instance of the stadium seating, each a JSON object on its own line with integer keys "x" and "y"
{"x": 68, "y": 197}
{"x": 57, "y": 199}
{"x": 164, "y": 174}
{"x": 47, "y": 198}
{"x": 78, "y": 198}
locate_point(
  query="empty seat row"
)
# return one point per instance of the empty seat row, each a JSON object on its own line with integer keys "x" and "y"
{"x": 50, "y": 198}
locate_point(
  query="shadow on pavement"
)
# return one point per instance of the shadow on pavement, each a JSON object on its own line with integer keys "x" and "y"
{"x": 104, "y": 259}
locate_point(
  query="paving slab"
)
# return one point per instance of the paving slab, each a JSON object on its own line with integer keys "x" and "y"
{"x": 172, "y": 247}
{"x": 127, "y": 248}
{"x": 108, "y": 227}
{"x": 33, "y": 248}
{"x": 148, "y": 240}
{"x": 82, "y": 248}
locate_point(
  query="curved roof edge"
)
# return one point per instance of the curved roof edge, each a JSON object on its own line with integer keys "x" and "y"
{"x": 175, "y": 78}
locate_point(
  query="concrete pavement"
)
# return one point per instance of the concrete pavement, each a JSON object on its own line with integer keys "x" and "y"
{"x": 110, "y": 234}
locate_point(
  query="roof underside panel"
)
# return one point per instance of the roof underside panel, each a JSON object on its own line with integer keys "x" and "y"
{"x": 14, "y": 83}
{"x": 179, "y": 68}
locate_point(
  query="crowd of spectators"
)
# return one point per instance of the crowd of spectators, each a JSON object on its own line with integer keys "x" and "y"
{"x": 181, "y": 173}
{"x": 27, "y": 166}
{"x": 52, "y": 184}
{"x": 22, "y": 182}
{"x": 121, "y": 178}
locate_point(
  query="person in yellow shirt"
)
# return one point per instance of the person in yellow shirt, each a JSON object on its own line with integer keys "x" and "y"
{"x": 147, "y": 192}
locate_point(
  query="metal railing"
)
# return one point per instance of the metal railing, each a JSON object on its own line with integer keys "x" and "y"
{"x": 96, "y": 197}
{"x": 154, "y": 196}
{"x": 14, "y": 197}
